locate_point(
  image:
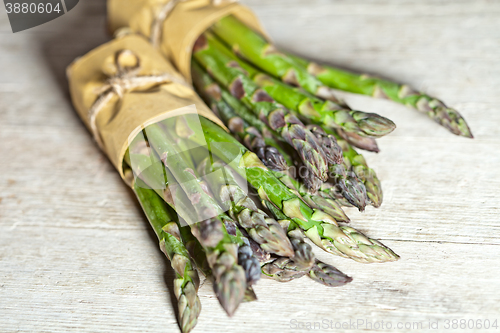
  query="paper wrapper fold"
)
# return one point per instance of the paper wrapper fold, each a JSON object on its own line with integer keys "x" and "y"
{"x": 122, "y": 118}
{"x": 182, "y": 26}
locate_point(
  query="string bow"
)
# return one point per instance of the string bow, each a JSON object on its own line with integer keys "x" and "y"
{"x": 167, "y": 9}
{"x": 126, "y": 79}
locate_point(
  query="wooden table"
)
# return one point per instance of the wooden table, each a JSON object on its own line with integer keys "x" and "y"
{"x": 76, "y": 252}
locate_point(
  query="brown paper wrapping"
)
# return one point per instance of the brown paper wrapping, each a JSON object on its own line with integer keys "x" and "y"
{"x": 121, "y": 118}
{"x": 182, "y": 26}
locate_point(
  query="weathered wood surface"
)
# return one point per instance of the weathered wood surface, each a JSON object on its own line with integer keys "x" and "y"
{"x": 77, "y": 254}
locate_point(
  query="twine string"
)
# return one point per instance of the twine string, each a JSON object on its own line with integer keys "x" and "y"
{"x": 166, "y": 9}
{"x": 125, "y": 80}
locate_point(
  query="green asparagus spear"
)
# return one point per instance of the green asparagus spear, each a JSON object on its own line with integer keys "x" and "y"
{"x": 357, "y": 140}
{"x": 328, "y": 275}
{"x": 199, "y": 257}
{"x": 290, "y": 128}
{"x": 325, "y": 203}
{"x": 357, "y": 163}
{"x": 259, "y": 226}
{"x": 187, "y": 282}
{"x": 329, "y": 141}
{"x": 250, "y": 136}
{"x": 380, "y": 88}
{"x": 324, "y": 113}
{"x": 286, "y": 269}
{"x": 283, "y": 269}
{"x": 333, "y": 113}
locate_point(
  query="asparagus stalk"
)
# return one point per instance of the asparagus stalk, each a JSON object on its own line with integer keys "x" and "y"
{"x": 172, "y": 190}
{"x": 281, "y": 269}
{"x": 289, "y": 127}
{"x": 328, "y": 275}
{"x": 221, "y": 249}
{"x": 380, "y": 88}
{"x": 187, "y": 282}
{"x": 321, "y": 228}
{"x": 357, "y": 163}
{"x": 309, "y": 108}
{"x": 323, "y": 113}
{"x": 199, "y": 257}
{"x": 250, "y": 136}
{"x": 323, "y": 201}
{"x": 284, "y": 270}
{"x": 351, "y": 188}
{"x": 359, "y": 141}
{"x": 329, "y": 141}
{"x": 273, "y": 158}
{"x": 260, "y": 227}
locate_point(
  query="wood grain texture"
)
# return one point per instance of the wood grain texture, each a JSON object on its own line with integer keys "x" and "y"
{"x": 77, "y": 254}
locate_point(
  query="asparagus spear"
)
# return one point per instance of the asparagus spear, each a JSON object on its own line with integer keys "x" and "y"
{"x": 220, "y": 247}
{"x": 260, "y": 227}
{"x": 328, "y": 140}
{"x": 359, "y": 141}
{"x": 273, "y": 158}
{"x": 224, "y": 290}
{"x": 187, "y": 282}
{"x": 323, "y": 202}
{"x": 357, "y": 163}
{"x": 251, "y": 136}
{"x": 318, "y": 226}
{"x": 380, "y": 88}
{"x": 304, "y": 261}
{"x": 328, "y": 275}
{"x": 293, "y": 131}
{"x": 283, "y": 269}
{"x": 199, "y": 257}
{"x": 351, "y": 188}
{"x": 318, "y": 111}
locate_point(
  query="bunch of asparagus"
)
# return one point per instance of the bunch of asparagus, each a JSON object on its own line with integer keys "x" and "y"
{"x": 190, "y": 177}
{"x": 240, "y": 206}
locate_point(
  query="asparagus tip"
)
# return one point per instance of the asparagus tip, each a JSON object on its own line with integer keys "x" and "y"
{"x": 373, "y": 124}
{"x": 328, "y": 275}
{"x": 230, "y": 289}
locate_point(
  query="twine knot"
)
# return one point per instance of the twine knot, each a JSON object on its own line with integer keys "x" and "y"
{"x": 126, "y": 79}
{"x": 167, "y": 9}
